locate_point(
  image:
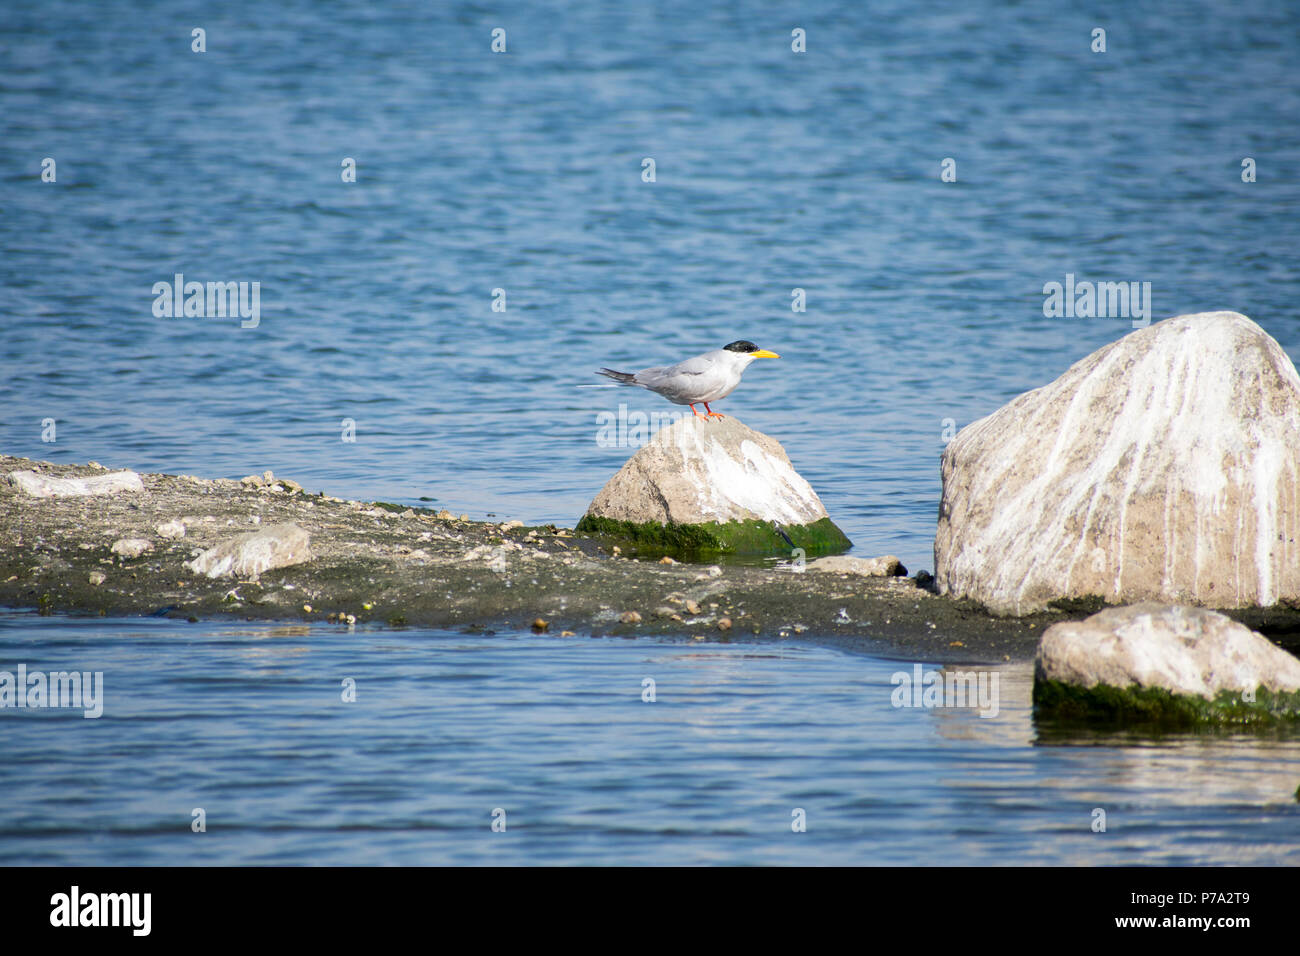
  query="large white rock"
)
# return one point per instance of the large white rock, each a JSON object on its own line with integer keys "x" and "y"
{"x": 1185, "y": 650}
{"x": 248, "y": 555}
{"x": 696, "y": 471}
{"x": 1165, "y": 466}
{"x": 47, "y": 486}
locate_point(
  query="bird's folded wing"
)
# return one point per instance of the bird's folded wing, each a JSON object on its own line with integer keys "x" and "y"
{"x": 698, "y": 365}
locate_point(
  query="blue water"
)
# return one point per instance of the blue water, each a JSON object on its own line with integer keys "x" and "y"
{"x": 248, "y": 724}
{"x": 522, "y": 171}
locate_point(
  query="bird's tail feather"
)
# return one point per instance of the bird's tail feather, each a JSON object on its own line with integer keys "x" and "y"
{"x": 623, "y": 378}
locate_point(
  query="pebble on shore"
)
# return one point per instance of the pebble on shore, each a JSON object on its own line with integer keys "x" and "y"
{"x": 131, "y": 547}
{"x": 46, "y": 486}
{"x": 249, "y": 555}
{"x": 171, "y": 529}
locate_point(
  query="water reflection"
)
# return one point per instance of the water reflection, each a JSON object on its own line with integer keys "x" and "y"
{"x": 447, "y": 726}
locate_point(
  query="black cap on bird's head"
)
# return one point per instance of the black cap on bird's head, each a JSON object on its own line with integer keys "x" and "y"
{"x": 749, "y": 348}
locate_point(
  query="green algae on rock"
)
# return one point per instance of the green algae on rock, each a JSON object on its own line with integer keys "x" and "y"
{"x": 729, "y": 537}
{"x": 1157, "y": 707}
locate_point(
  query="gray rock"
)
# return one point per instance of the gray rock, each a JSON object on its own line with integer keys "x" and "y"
{"x": 131, "y": 547}
{"x": 249, "y": 555}
{"x": 1165, "y": 466}
{"x": 885, "y": 567}
{"x": 171, "y": 529}
{"x": 696, "y": 471}
{"x": 97, "y": 578}
{"x": 46, "y": 486}
{"x": 1184, "y": 650}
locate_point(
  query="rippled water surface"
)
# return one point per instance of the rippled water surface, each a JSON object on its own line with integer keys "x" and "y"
{"x": 248, "y": 723}
{"x": 522, "y": 172}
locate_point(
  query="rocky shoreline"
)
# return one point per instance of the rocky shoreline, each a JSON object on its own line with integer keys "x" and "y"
{"x": 376, "y": 563}
{"x": 382, "y": 564}
{"x": 1156, "y": 478}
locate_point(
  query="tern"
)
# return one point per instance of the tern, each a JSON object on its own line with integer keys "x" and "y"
{"x": 698, "y": 380}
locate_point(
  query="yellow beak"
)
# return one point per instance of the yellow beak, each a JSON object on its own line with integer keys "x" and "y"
{"x": 764, "y": 353}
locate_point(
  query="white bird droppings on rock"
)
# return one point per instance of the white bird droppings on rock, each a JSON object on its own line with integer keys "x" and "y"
{"x": 1165, "y": 467}
{"x": 249, "y": 555}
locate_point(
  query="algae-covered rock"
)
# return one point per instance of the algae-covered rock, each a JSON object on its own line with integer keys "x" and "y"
{"x": 1162, "y": 467}
{"x": 713, "y": 485}
{"x": 1166, "y": 664}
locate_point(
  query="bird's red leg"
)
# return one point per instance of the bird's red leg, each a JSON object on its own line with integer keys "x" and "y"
{"x": 712, "y": 413}
{"x": 697, "y": 414}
